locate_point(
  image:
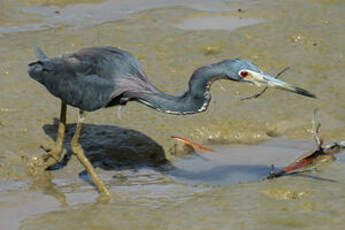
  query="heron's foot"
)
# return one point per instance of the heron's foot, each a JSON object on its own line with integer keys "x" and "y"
{"x": 37, "y": 165}
{"x": 46, "y": 147}
{"x": 52, "y": 155}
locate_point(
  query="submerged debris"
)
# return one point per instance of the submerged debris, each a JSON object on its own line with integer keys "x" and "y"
{"x": 281, "y": 193}
{"x": 308, "y": 159}
{"x": 212, "y": 50}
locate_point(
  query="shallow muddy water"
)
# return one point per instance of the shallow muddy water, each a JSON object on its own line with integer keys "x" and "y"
{"x": 218, "y": 190}
{"x": 224, "y": 189}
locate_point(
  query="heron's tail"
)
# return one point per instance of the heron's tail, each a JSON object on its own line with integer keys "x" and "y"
{"x": 40, "y": 54}
{"x": 36, "y": 69}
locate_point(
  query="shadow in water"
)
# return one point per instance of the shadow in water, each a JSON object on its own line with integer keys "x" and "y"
{"x": 110, "y": 147}
{"x": 221, "y": 174}
{"x": 314, "y": 177}
{"x": 224, "y": 175}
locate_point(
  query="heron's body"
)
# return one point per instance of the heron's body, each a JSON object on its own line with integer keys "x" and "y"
{"x": 89, "y": 79}
{"x": 100, "y": 77}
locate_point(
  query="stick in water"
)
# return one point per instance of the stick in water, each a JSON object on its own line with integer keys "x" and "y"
{"x": 197, "y": 146}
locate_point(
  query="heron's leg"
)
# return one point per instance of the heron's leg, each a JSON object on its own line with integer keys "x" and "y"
{"x": 53, "y": 156}
{"x": 77, "y": 149}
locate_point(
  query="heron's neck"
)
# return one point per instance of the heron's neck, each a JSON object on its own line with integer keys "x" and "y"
{"x": 194, "y": 100}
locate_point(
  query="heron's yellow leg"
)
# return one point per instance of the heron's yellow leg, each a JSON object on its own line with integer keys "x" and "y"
{"x": 78, "y": 151}
{"x": 53, "y": 156}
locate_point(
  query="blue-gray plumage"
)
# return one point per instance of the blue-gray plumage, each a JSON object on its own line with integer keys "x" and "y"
{"x": 100, "y": 77}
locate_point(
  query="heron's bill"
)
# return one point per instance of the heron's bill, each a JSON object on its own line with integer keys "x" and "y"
{"x": 262, "y": 79}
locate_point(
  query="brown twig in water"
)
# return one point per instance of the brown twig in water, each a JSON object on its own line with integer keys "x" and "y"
{"x": 316, "y": 128}
{"x": 264, "y": 90}
{"x": 308, "y": 159}
{"x": 197, "y": 146}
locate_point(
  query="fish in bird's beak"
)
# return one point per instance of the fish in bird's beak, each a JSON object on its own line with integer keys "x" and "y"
{"x": 263, "y": 79}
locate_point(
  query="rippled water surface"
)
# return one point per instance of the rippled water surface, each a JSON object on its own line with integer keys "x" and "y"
{"x": 219, "y": 190}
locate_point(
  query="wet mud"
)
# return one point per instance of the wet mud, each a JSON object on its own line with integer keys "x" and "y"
{"x": 219, "y": 190}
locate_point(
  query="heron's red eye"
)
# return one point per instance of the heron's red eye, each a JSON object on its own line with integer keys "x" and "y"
{"x": 244, "y": 73}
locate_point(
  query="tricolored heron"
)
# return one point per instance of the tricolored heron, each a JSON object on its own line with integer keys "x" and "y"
{"x": 100, "y": 77}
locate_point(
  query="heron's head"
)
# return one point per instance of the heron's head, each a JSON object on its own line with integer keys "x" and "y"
{"x": 245, "y": 71}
